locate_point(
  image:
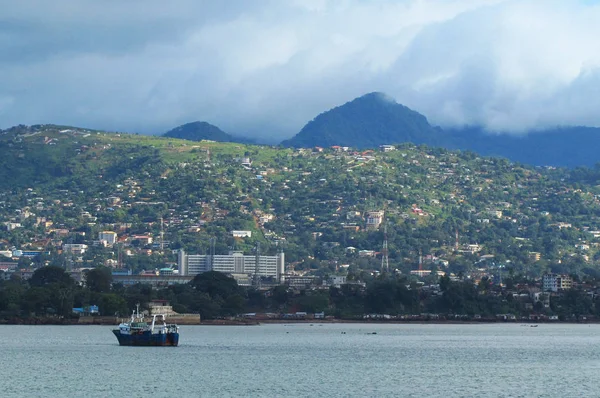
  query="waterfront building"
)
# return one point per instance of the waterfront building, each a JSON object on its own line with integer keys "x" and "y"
{"x": 233, "y": 263}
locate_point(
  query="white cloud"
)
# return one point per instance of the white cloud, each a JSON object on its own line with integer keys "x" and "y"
{"x": 267, "y": 67}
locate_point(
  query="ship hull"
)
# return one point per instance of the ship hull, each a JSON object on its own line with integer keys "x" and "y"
{"x": 148, "y": 339}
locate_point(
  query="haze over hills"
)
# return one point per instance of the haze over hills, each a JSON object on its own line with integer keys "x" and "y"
{"x": 375, "y": 119}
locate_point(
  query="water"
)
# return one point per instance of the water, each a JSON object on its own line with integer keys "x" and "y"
{"x": 303, "y": 360}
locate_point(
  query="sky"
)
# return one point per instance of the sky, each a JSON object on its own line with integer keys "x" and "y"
{"x": 264, "y": 68}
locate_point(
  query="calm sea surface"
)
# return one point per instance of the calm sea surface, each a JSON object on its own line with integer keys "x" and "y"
{"x": 303, "y": 360}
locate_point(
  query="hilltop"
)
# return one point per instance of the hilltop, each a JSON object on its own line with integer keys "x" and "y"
{"x": 198, "y": 131}
{"x": 365, "y": 122}
{"x": 376, "y": 119}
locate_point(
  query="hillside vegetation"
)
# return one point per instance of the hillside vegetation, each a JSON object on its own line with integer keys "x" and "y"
{"x": 198, "y": 131}
{"x": 365, "y": 122}
{"x": 312, "y": 203}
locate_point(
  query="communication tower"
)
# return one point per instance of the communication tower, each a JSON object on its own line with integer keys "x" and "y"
{"x": 162, "y": 235}
{"x": 456, "y": 240}
{"x": 119, "y": 256}
{"x": 385, "y": 262}
{"x": 256, "y": 277}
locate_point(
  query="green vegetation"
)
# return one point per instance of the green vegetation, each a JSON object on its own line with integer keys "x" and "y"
{"x": 198, "y": 131}
{"x": 51, "y": 294}
{"x": 465, "y": 215}
{"x": 375, "y": 119}
{"x": 313, "y": 204}
{"x": 366, "y": 122}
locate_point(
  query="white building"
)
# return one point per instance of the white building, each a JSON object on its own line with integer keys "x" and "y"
{"x": 12, "y": 225}
{"x": 337, "y": 280}
{"x": 232, "y": 263}
{"x": 109, "y": 237}
{"x": 555, "y": 282}
{"x": 75, "y": 248}
{"x": 374, "y": 219}
{"x": 241, "y": 234}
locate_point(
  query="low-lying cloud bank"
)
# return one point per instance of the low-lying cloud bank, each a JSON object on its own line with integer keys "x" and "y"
{"x": 265, "y": 68}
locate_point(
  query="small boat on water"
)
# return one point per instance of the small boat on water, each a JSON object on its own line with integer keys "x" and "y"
{"x": 138, "y": 332}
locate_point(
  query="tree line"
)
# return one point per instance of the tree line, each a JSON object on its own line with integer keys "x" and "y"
{"x": 51, "y": 293}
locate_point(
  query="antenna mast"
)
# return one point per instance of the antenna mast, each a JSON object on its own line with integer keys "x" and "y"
{"x": 385, "y": 263}
{"x": 256, "y": 279}
{"x": 456, "y": 241}
{"x": 162, "y": 235}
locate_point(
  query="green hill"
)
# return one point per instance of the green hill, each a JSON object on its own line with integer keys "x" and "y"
{"x": 313, "y": 203}
{"x": 198, "y": 131}
{"x": 375, "y": 119}
{"x": 365, "y": 122}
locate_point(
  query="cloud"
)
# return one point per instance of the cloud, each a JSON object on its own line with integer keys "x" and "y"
{"x": 265, "y": 68}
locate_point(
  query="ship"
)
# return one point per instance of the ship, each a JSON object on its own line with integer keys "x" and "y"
{"x": 138, "y": 332}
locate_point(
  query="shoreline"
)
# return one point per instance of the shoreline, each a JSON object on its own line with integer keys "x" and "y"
{"x": 111, "y": 321}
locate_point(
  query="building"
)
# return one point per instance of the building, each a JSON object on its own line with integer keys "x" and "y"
{"x": 555, "y": 282}
{"x": 161, "y": 307}
{"x": 374, "y": 219}
{"x": 143, "y": 239}
{"x": 150, "y": 279}
{"x": 232, "y": 263}
{"x": 75, "y": 248}
{"x": 387, "y": 148}
{"x": 12, "y": 225}
{"x": 300, "y": 282}
{"x": 421, "y": 272}
{"x": 109, "y": 237}
{"x": 336, "y": 281}
{"x": 241, "y": 234}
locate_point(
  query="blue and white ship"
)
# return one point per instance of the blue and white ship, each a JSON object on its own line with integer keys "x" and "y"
{"x": 138, "y": 332}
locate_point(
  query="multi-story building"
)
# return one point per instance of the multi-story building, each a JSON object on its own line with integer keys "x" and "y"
{"x": 555, "y": 282}
{"x": 374, "y": 219}
{"x": 232, "y": 263}
{"x": 109, "y": 237}
{"x": 75, "y": 248}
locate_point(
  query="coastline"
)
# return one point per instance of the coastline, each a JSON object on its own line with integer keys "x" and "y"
{"x": 112, "y": 321}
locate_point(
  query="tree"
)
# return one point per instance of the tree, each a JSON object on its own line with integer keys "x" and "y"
{"x": 50, "y": 275}
{"x": 215, "y": 284}
{"x": 99, "y": 279}
{"x": 279, "y": 295}
{"x": 112, "y": 304}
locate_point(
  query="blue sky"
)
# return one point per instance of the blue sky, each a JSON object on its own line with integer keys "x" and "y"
{"x": 266, "y": 67}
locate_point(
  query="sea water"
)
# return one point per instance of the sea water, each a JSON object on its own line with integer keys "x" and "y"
{"x": 306, "y": 360}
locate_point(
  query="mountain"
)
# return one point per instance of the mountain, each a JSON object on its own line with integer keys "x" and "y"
{"x": 198, "y": 131}
{"x": 375, "y": 119}
{"x": 367, "y": 121}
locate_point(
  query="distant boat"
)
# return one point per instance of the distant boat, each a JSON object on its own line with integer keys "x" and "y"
{"x": 138, "y": 332}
